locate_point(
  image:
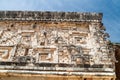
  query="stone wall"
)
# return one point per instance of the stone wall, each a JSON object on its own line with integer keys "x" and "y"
{"x": 68, "y": 43}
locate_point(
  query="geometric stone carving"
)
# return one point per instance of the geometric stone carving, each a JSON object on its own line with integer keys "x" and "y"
{"x": 55, "y": 40}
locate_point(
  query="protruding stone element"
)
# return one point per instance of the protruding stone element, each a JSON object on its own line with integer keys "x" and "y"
{"x": 50, "y": 16}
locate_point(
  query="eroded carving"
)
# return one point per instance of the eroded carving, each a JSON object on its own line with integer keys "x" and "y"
{"x": 54, "y": 43}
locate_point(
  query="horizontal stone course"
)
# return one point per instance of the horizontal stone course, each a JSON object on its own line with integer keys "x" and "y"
{"x": 50, "y": 16}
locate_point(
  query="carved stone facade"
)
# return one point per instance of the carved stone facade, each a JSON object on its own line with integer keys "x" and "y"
{"x": 62, "y": 43}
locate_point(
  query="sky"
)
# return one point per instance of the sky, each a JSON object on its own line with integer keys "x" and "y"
{"x": 109, "y": 8}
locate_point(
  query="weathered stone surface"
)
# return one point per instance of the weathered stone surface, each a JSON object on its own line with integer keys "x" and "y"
{"x": 58, "y": 43}
{"x": 50, "y": 16}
